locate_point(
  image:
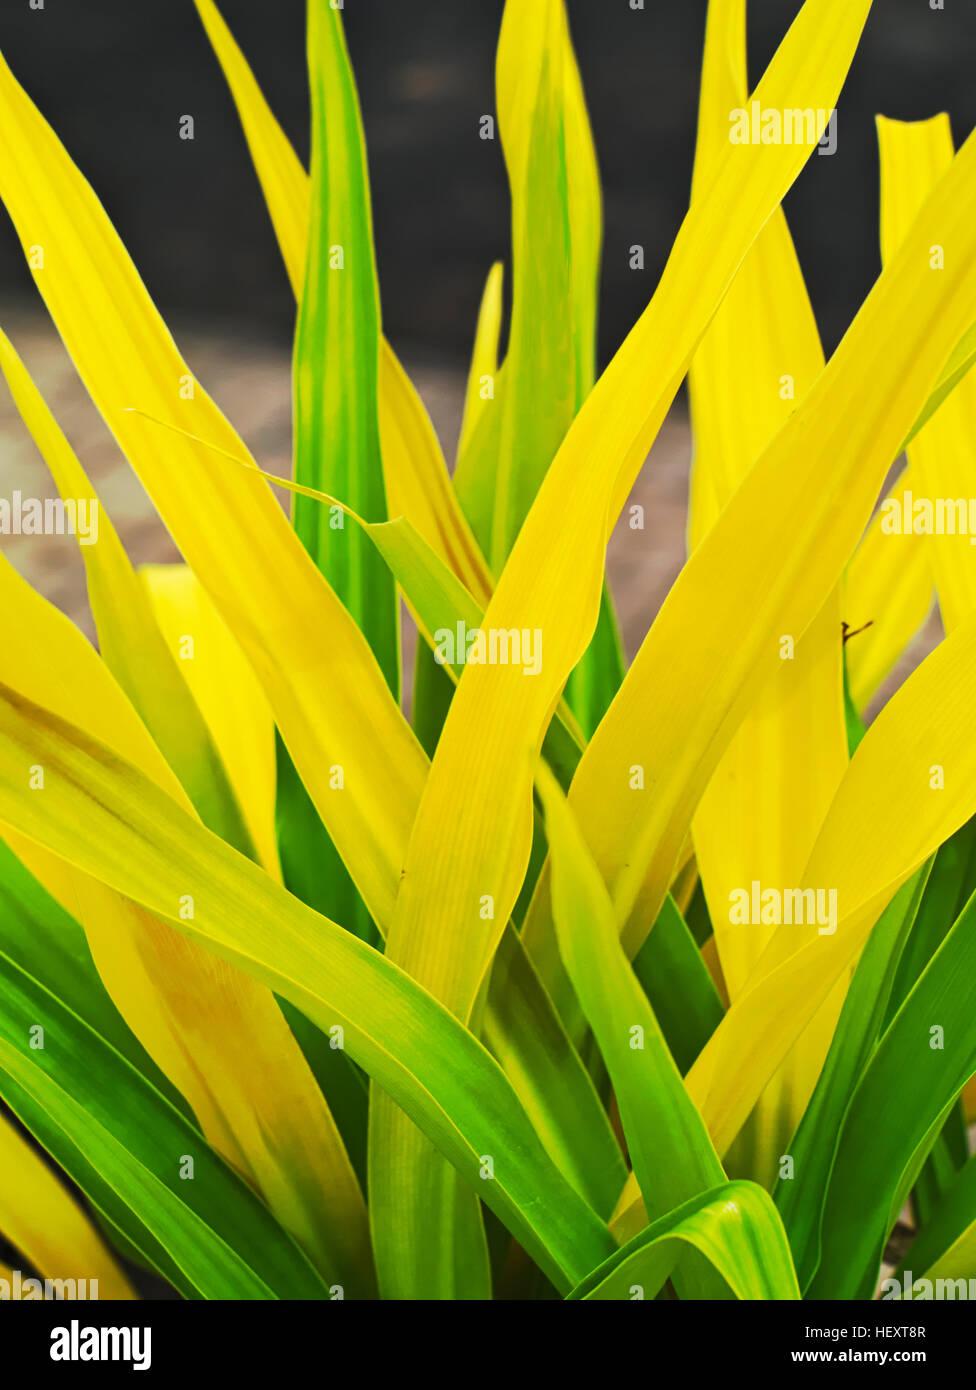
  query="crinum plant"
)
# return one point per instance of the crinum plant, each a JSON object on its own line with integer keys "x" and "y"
{"x": 594, "y": 980}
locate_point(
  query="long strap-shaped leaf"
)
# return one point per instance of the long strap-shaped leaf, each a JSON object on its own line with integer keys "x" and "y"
{"x": 326, "y": 690}
{"x": 479, "y": 392}
{"x": 942, "y": 457}
{"x": 761, "y": 811}
{"x": 47, "y": 1226}
{"x": 226, "y": 692}
{"x": 103, "y": 815}
{"x": 517, "y": 1021}
{"x": 946, "y": 1248}
{"x": 466, "y": 861}
{"x": 418, "y": 488}
{"x": 456, "y": 860}
{"x": 336, "y": 418}
{"x": 554, "y": 266}
{"x": 886, "y": 820}
{"x": 147, "y": 1170}
{"x": 243, "y": 1074}
{"x": 417, "y": 482}
{"x": 736, "y": 1228}
{"x": 800, "y": 1195}
{"x": 775, "y": 553}
{"x": 673, "y": 1157}
{"x": 128, "y": 637}
{"x": 45, "y": 941}
{"x": 556, "y": 236}
{"x": 888, "y": 817}
{"x": 763, "y": 807}
{"x": 337, "y": 346}
{"x": 924, "y": 1059}
{"x": 888, "y": 584}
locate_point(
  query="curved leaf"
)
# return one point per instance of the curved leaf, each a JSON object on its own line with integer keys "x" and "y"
{"x": 103, "y": 815}
{"x": 217, "y": 1236}
{"x": 736, "y": 1228}
{"x": 43, "y": 1220}
{"x": 921, "y": 1064}
{"x": 669, "y": 1146}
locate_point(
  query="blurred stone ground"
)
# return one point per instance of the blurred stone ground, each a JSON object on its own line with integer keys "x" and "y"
{"x": 250, "y": 381}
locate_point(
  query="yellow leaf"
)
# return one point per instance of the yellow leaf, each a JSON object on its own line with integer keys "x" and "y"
{"x": 129, "y": 640}
{"x": 417, "y": 482}
{"x": 888, "y": 584}
{"x": 761, "y": 811}
{"x": 330, "y": 701}
{"x": 775, "y": 554}
{"x": 888, "y": 816}
{"x": 458, "y": 857}
{"x": 219, "y": 1036}
{"x": 105, "y": 816}
{"x": 466, "y": 860}
{"x": 764, "y": 805}
{"x": 942, "y": 457}
{"x": 47, "y": 1226}
{"x": 484, "y": 358}
{"x": 227, "y": 693}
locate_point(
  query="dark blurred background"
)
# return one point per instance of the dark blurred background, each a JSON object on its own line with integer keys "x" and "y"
{"x": 114, "y": 77}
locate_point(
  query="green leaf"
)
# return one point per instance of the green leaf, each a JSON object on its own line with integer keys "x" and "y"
{"x": 952, "y": 1224}
{"x": 672, "y": 1154}
{"x": 734, "y": 1226}
{"x": 129, "y": 638}
{"x": 124, "y": 1144}
{"x": 474, "y": 476}
{"x": 679, "y": 989}
{"x": 813, "y": 1148}
{"x": 336, "y": 416}
{"x": 855, "y": 724}
{"x": 950, "y": 884}
{"x": 311, "y": 866}
{"x": 105, "y": 817}
{"x": 341, "y": 1082}
{"x": 433, "y": 691}
{"x": 935, "y": 1176}
{"x": 441, "y": 603}
{"x": 523, "y": 1030}
{"x": 46, "y": 942}
{"x": 337, "y": 438}
{"x": 896, "y": 1113}
{"x": 556, "y": 236}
